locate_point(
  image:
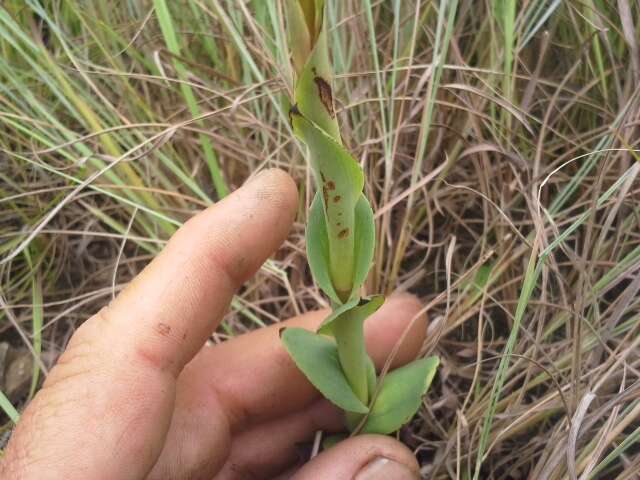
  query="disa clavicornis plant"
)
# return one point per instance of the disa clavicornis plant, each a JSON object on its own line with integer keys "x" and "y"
{"x": 340, "y": 239}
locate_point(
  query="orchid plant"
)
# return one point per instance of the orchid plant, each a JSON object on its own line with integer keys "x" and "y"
{"x": 340, "y": 239}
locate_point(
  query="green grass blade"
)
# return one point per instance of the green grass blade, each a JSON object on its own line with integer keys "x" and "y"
{"x": 529, "y": 283}
{"x": 37, "y": 315}
{"x": 8, "y": 408}
{"x": 171, "y": 39}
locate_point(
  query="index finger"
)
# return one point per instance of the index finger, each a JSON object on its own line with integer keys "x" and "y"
{"x": 167, "y": 313}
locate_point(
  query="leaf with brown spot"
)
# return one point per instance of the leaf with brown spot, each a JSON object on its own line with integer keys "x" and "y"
{"x": 326, "y": 95}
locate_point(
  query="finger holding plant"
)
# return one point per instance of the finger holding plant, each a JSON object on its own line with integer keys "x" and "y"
{"x": 340, "y": 241}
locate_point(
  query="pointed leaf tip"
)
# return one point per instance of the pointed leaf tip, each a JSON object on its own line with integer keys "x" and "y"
{"x": 358, "y": 308}
{"x": 400, "y": 396}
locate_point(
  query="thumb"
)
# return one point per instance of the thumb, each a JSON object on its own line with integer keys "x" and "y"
{"x": 365, "y": 457}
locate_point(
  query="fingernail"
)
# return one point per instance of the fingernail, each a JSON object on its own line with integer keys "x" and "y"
{"x": 384, "y": 468}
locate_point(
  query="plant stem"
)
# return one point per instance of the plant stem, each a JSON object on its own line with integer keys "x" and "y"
{"x": 349, "y": 334}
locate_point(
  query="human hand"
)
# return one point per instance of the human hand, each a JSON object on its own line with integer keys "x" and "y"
{"x": 137, "y": 394}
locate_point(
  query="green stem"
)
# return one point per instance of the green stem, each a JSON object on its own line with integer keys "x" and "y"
{"x": 349, "y": 334}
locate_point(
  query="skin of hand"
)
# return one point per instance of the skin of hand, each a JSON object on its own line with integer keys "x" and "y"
{"x": 138, "y": 394}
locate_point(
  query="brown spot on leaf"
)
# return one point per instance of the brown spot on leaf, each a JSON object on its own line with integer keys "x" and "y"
{"x": 293, "y": 111}
{"x": 326, "y": 97}
{"x": 326, "y": 188}
{"x": 163, "y": 329}
{"x": 344, "y": 233}
{"x": 337, "y": 199}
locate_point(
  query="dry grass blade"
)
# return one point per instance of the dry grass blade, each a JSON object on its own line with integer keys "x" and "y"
{"x": 576, "y": 422}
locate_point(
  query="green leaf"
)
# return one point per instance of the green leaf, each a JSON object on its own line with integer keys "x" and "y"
{"x": 337, "y": 174}
{"x": 317, "y": 357}
{"x": 372, "y": 378}
{"x": 358, "y": 308}
{"x": 318, "y": 248}
{"x": 339, "y": 180}
{"x": 401, "y": 396}
{"x": 299, "y": 34}
{"x": 319, "y": 15}
{"x": 313, "y": 91}
{"x": 365, "y": 242}
{"x": 309, "y": 9}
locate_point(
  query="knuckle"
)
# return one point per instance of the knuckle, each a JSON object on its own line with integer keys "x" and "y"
{"x": 78, "y": 359}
